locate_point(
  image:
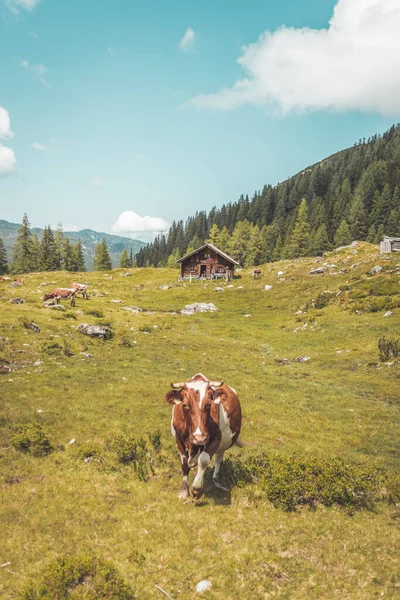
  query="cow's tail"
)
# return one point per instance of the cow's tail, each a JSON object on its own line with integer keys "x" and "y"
{"x": 242, "y": 444}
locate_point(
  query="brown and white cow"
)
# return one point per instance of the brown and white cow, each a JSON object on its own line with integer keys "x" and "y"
{"x": 61, "y": 294}
{"x": 80, "y": 288}
{"x": 257, "y": 273}
{"x": 206, "y": 420}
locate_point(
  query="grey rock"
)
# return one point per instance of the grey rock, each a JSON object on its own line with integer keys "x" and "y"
{"x": 267, "y": 287}
{"x": 302, "y": 359}
{"x": 376, "y": 269}
{"x": 134, "y": 309}
{"x": 318, "y": 270}
{"x": 198, "y": 307}
{"x": 16, "y": 301}
{"x": 54, "y": 306}
{"x": 388, "y": 313}
{"x": 218, "y": 289}
{"x": 95, "y": 330}
{"x": 34, "y": 327}
{"x": 165, "y": 287}
{"x": 117, "y": 301}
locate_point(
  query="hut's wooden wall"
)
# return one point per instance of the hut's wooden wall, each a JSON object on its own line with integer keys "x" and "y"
{"x": 205, "y": 264}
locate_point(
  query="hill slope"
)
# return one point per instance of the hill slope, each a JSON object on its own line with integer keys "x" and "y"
{"x": 93, "y": 396}
{"x": 89, "y": 239}
{"x": 360, "y": 185}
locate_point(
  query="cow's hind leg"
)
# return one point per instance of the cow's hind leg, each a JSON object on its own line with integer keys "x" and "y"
{"x": 218, "y": 462}
{"x": 184, "y": 491}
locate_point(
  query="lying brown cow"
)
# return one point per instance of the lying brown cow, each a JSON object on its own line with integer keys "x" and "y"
{"x": 4, "y": 278}
{"x": 80, "y": 289}
{"x": 61, "y": 294}
{"x": 206, "y": 420}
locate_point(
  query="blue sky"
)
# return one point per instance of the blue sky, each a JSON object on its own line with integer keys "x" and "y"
{"x": 143, "y": 106}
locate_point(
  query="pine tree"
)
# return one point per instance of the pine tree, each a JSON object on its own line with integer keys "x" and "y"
{"x": 223, "y": 239}
{"x": 102, "y": 260}
{"x": 48, "y": 251}
{"x": 342, "y": 235}
{"x": 300, "y": 237}
{"x": 254, "y": 247}
{"x": 124, "y": 260}
{"x": 131, "y": 257}
{"x": 320, "y": 243}
{"x": 23, "y": 259}
{"x": 59, "y": 246}
{"x": 393, "y": 223}
{"x": 371, "y": 237}
{"x": 36, "y": 252}
{"x": 278, "y": 252}
{"x": 78, "y": 258}
{"x": 358, "y": 220}
{"x": 171, "y": 262}
{"x": 238, "y": 244}
{"x": 68, "y": 255}
{"x": 214, "y": 234}
{"x": 3, "y": 258}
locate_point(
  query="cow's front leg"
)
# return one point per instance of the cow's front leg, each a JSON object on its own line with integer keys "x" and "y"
{"x": 184, "y": 491}
{"x": 218, "y": 462}
{"x": 203, "y": 462}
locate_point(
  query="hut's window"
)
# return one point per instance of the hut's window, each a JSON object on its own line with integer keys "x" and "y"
{"x": 192, "y": 268}
{"x": 221, "y": 269}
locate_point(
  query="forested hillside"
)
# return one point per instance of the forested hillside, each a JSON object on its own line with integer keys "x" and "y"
{"x": 353, "y": 194}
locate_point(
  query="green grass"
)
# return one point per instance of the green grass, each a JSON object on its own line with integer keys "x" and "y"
{"x": 342, "y": 405}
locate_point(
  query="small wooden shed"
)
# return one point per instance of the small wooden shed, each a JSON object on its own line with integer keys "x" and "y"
{"x": 207, "y": 262}
{"x": 390, "y": 244}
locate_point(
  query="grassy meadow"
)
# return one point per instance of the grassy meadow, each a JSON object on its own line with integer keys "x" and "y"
{"x": 78, "y": 499}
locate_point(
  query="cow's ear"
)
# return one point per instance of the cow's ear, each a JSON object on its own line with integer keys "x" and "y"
{"x": 218, "y": 395}
{"x": 173, "y": 396}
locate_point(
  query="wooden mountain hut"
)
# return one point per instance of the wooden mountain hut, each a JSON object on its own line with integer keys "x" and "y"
{"x": 207, "y": 262}
{"x": 390, "y": 244}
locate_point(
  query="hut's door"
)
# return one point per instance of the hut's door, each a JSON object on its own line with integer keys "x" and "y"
{"x": 203, "y": 270}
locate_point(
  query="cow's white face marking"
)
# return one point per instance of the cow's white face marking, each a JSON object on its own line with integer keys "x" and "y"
{"x": 199, "y": 386}
{"x": 233, "y": 389}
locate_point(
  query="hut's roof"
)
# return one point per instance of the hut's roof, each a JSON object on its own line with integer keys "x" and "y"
{"x": 212, "y": 247}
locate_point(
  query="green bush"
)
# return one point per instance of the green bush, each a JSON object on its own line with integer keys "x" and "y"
{"x": 294, "y": 481}
{"x": 141, "y": 453}
{"x": 32, "y": 438}
{"x": 388, "y": 348}
{"x": 52, "y": 348}
{"x": 95, "y": 312}
{"x": 82, "y": 577}
{"x": 89, "y": 450}
{"x": 323, "y": 299}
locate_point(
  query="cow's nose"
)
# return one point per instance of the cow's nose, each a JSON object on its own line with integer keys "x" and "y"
{"x": 200, "y": 439}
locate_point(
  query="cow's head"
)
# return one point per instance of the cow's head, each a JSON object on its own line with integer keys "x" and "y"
{"x": 47, "y": 296}
{"x": 195, "y": 397}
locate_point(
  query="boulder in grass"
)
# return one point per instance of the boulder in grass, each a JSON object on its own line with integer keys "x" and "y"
{"x": 376, "y": 269}
{"x": 218, "y": 289}
{"x": 198, "y": 307}
{"x": 302, "y": 359}
{"x": 97, "y": 331}
{"x": 267, "y": 287}
{"x": 35, "y": 327}
{"x": 318, "y": 270}
{"x": 16, "y": 301}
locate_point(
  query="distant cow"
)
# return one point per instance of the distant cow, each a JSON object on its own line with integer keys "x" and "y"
{"x": 257, "y": 273}
{"x": 61, "y": 294}
{"x": 80, "y": 289}
{"x": 4, "y": 278}
{"x": 206, "y": 420}
{"x": 18, "y": 280}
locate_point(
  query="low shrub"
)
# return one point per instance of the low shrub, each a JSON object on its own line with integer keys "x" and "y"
{"x": 124, "y": 342}
{"x": 89, "y": 450}
{"x": 32, "y": 438}
{"x": 294, "y": 481}
{"x": 323, "y": 299}
{"x": 81, "y": 577}
{"x": 142, "y": 453}
{"x": 52, "y": 348}
{"x": 95, "y": 312}
{"x": 388, "y": 348}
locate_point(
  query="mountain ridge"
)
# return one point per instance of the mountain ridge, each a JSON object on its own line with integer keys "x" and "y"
{"x": 89, "y": 238}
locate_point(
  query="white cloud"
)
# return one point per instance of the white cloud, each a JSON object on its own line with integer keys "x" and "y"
{"x": 131, "y": 222}
{"x": 33, "y": 34}
{"x": 39, "y": 70}
{"x": 352, "y": 65}
{"x": 5, "y": 124}
{"x": 188, "y": 39}
{"x": 37, "y": 146}
{"x": 71, "y": 227}
{"x": 96, "y": 183}
{"x": 110, "y": 50}
{"x": 16, "y": 5}
{"x": 7, "y": 160}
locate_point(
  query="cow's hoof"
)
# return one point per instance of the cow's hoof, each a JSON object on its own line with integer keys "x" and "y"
{"x": 183, "y": 493}
{"x": 196, "y": 492}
